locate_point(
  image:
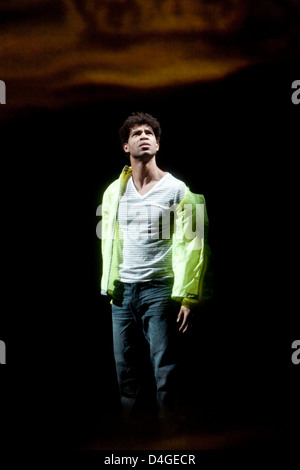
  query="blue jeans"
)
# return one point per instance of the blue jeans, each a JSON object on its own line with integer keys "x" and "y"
{"x": 145, "y": 309}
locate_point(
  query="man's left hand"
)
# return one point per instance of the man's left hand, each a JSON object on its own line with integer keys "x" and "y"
{"x": 184, "y": 318}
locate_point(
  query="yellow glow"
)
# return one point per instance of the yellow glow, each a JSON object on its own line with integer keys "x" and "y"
{"x": 139, "y": 44}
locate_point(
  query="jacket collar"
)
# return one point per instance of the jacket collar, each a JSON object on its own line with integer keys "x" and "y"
{"x": 124, "y": 177}
{"x": 126, "y": 170}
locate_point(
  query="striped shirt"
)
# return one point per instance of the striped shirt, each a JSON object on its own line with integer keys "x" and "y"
{"x": 146, "y": 228}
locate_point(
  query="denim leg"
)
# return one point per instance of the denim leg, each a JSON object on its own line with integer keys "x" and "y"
{"x": 146, "y": 309}
{"x": 126, "y": 351}
{"x": 161, "y": 331}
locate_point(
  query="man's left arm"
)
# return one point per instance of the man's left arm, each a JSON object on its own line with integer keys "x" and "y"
{"x": 196, "y": 262}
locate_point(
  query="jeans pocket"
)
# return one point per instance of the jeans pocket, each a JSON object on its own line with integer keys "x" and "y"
{"x": 118, "y": 292}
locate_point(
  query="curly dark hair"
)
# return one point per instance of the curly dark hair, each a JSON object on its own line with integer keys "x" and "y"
{"x": 137, "y": 119}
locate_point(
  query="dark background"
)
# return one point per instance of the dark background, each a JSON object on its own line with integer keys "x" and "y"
{"x": 234, "y": 140}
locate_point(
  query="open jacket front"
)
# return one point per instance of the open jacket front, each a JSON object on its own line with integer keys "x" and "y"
{"x": 190, "y": 254}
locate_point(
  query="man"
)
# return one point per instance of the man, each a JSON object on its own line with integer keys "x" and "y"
{"x": 153, "y": 266}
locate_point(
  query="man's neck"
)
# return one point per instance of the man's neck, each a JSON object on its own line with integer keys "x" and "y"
{"x": 145, "y": 171}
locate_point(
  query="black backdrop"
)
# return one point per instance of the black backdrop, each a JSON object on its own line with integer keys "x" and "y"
{"x": 234, "y": 140}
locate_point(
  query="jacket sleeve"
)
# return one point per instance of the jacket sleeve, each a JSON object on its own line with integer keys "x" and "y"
{"x": 107, "y": 234}
{"x": 190, "y": 250}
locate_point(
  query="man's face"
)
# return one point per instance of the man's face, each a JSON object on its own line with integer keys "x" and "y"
{"x": 141, "y": 142}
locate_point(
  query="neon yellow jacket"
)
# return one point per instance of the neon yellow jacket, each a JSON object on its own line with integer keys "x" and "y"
{"x": 189, "y": 254}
